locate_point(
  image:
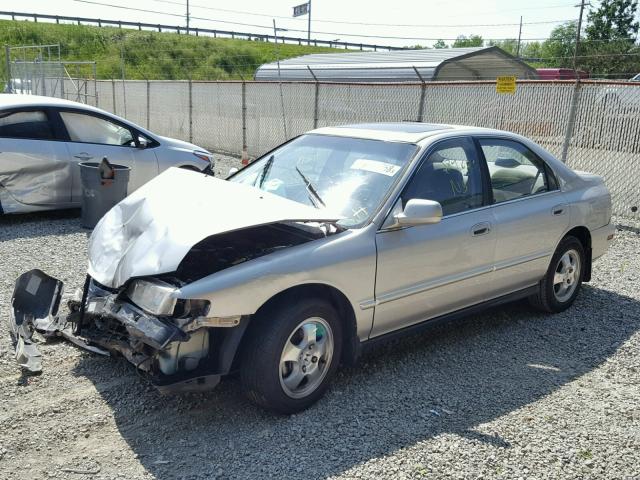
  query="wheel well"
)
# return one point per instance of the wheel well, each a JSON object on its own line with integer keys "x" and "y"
{"x": 190, "y": 167}
{"x": 339, "y": 301}
{"x": 583, "y": 234}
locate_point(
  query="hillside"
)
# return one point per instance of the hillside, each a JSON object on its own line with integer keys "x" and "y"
{"x": 149, "y": 54}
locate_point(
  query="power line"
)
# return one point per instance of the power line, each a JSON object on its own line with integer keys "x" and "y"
{"x": 204, "y": 7}
{"x": 547, "y": 22}
{"x": 344, "y": 34}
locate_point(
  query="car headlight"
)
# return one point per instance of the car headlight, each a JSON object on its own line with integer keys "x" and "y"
{"x": 203, "y": 156}
{"x": 153, "y": 296}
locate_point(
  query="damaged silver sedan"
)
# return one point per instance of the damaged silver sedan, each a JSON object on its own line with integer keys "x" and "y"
{"x": 330, "y": 243}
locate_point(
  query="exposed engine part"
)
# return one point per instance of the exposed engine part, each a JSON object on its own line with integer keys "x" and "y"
{"x": 225, "y": 250}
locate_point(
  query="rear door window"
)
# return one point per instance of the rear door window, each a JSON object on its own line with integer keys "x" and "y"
{"x": 28, "y": 124}
{"x": 515, "y": 170}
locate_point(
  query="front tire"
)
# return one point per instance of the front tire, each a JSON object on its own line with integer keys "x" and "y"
{"x": 561, "y": 284}
{"x": 291, "y": 355}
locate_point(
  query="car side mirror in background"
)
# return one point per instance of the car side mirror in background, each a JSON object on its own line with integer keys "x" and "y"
{"x": 143, "y": 142}
{"x": 232, "y": 171}
{"x": 419, "y": 212}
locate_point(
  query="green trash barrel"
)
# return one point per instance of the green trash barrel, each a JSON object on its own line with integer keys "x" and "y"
{"x": 103, "y": 185}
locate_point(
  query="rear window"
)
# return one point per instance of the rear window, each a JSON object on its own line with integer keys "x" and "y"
{"x": 32, "y": 124}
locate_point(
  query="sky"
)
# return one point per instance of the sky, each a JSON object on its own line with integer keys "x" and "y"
{"x": 367, "y": 21}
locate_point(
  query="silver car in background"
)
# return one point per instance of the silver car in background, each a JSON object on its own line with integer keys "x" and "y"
{"x": 335, "y": 241}
{"x": 42, "y": 140}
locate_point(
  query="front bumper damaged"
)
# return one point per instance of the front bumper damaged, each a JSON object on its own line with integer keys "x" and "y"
{"x": 103, "y": 322}
{"x": 35, "y": 302}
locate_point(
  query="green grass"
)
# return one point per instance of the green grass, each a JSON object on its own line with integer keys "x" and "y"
{"x": 149, "y": 54}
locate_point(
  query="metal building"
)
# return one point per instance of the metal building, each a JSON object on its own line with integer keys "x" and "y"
{"x": 477, "y": 63}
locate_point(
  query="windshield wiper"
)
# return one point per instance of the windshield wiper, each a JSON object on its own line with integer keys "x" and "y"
{"x": 311, "y": 188}
{"x": 266, "y": 170}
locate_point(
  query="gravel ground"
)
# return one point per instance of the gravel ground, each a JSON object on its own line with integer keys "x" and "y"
{"x": 507, "y": 394}
{"x": 223, "y": 163}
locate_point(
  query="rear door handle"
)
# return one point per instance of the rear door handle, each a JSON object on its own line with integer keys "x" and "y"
{"x": 480, "y": 229}
{"x": 83, "y": 156}
{"x": 558, "y": 210}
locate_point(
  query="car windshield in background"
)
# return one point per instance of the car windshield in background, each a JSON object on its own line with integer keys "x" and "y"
{"x": 347, "y": 176}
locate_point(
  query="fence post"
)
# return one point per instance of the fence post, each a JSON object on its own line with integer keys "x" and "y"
{"x": 315, "y": 101}
{"x": 113, "y": 93}
{"x": 7, "y": 52}
{"x": 245, "y": 153}
{"x": 124, "y": 87}
{"x": 148, "y": 103}
{"x": 190, "y": 111}
{"x": 95, "y": 83}
{"x": 62, "y": 79}
{"x": 423, "y": 91}
{"x": 575, "y": 99}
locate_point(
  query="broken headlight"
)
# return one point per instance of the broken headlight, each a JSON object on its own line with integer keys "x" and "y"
{"x": 153, "y": 296}
{"x": 191, "y": 308}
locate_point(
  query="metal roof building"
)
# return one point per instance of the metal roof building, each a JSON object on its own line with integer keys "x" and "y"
{"x": 477, "y": 63}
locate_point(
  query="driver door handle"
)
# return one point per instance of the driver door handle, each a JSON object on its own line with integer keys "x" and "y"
{"x": 482, "y": 228}
{"x": 558, "y": 210}
{"x": 83, "y": 156}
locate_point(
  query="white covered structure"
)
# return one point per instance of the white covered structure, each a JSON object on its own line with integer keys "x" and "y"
{"x": 477, "y": 63}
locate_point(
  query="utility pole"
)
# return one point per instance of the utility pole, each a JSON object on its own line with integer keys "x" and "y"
{"x": 309, "y": 25}
{"x": 187, "y": 17}
{"x": 583, "y": 3}
{"x": 519, "y": 37}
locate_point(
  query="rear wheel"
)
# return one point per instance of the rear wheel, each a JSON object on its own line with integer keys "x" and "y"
{"x": 561, "y": 284}
{"x": 291, "y": 355}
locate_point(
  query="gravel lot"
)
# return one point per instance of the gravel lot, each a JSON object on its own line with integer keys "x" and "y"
{"x": 507, "y": 394}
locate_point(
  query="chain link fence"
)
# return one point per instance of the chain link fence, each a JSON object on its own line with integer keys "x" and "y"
{"x": 592, "y": 126}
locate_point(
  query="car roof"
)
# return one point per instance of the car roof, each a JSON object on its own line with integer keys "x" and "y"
{"x": 11, "y": 100}
{"x": 16, "y": 100}
{"x": 408, "y": 132}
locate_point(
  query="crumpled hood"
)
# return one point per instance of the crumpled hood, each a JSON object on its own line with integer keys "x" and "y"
{"x": 151, "y": 231}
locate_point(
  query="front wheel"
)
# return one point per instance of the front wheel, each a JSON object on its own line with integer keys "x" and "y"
{"x": 291, "y": 355}
{"x": 561, "y": 284}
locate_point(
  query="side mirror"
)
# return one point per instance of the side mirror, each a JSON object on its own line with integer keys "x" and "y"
{"x": 419, "y": 212}
{"x": 143, "y": 142}
{"x": 232, "y": 171}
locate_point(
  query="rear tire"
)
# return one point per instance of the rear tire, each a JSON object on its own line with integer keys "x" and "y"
{"x": 291, "y": 355}
{"x": 561, "y": 284}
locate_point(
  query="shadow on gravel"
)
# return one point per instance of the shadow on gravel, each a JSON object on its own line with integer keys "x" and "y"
{"x": 30, "y": 225}
{"x": 446, "y": 381}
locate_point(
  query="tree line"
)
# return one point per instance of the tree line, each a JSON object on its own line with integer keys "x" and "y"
{"x": 608, "y": 48}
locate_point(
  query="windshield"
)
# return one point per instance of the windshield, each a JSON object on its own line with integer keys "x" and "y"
{"x": 347, "y": 176}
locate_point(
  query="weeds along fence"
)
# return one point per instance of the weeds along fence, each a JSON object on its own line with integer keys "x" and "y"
{"x": 592, "y": 126}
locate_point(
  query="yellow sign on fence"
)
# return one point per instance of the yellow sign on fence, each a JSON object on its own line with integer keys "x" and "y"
{"x": 506, "y": 85}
